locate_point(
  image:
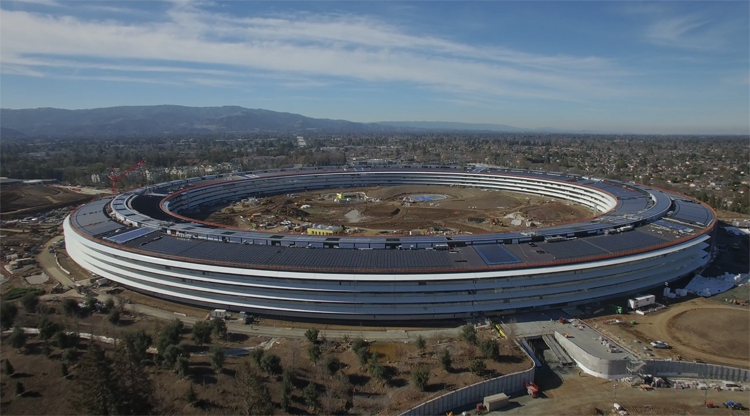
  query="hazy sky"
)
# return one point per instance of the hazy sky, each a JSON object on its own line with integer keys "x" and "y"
{"x": 667, "y": 67}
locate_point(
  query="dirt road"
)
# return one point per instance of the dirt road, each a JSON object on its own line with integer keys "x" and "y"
{"x": 47, "y": 262}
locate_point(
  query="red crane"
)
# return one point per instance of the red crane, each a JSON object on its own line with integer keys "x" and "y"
{"x": 115, "y": 178}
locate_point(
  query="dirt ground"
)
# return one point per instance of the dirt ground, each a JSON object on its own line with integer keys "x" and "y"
{"x": 573, "y": 394}
{"x": 34, "y": 198}
{"x": 695, "y": 329}
{"x": 462, "y": 210}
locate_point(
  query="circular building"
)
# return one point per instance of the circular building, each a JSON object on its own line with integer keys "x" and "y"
{"x": 638, "y": 238}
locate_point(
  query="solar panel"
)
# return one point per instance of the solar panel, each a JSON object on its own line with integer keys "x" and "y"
{"x": 496, "y": 254}
{"x": 122, "y": 238}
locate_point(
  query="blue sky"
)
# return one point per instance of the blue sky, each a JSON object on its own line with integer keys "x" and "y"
{"x": 665, "y": 67}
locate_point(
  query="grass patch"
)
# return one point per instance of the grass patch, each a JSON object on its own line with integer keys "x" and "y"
{"x": 18, "y": 292}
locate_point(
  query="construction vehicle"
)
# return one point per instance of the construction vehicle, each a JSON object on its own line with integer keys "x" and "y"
{"x": 532, "y": 389}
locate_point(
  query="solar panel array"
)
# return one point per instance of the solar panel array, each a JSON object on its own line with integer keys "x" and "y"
{"x": 496, "y": 254}
{"x": 297, "y": 257}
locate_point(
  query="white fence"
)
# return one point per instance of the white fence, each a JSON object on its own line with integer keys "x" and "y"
{"x": 696, "y": 370}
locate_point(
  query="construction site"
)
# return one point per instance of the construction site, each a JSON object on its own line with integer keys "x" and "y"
{"x": 398, "y": 210}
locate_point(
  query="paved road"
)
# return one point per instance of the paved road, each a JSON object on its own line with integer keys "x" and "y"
{"x": 287, "y": 332}
{"x": 49, "y": 265}
{"x": 284, "y": 332}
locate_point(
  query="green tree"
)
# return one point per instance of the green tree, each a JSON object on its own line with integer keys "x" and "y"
{"x": 136, "y": 344}
{"x": 477, "y": 367}
{"x": 310, "y": 393}
{"x": 421, "y": 344}
{"x": 20, "y": 389}
{"x": 446, "y": 361}
{"x": 70, "y": 307}
{"x": 30, "y": 301}
{"x": 202, "y": 332}
{"x": 9, "y": 370}
{"x": 217, "y": 358}
{"x": 170, "y": 334}
{"x": 312, "y": 335}
{"x": 219, "y": 329}
{"x": 421, "y": 377}
{"x": 8, "y": 313}
{"x": 314, "y": 352}
{"x": 47, "y": 329}
{"x": 133, "y": 390}
{"x": 182, "y": 366}
{"x": 171, "y": 354}
{"x": 109, "y": 304}
{"x": 287, "y": 384}
{"x": 64, "y": 369}
{"x": 271, "y": 364}
{"x": 17, "y": 338}
{"x": 490, "y": 349}
{"x": 95, "y": 383}
{"x": 332, "y": 365}
{"x": 469, "y": 334}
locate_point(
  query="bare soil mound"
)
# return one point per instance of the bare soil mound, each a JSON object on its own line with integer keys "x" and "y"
{"x": 722, "y": 332}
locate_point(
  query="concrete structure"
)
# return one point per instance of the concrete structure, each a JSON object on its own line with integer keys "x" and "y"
{"x": 593, "y": 356}
{"x": 637, "y": 238}
{"x": 319, "y": 229}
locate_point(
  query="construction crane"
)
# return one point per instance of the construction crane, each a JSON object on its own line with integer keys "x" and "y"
{"x": 115, "y": 178}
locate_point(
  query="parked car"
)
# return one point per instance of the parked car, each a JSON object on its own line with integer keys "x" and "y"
{"x": 659, "y": 344}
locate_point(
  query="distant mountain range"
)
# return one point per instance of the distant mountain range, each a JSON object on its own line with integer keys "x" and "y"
{"x": 143, "y": 121}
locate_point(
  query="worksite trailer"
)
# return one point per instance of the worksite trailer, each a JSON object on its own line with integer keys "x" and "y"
{"x": 641, "y": 301}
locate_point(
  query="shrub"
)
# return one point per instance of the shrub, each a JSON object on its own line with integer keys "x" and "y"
{"x": 469, "y": 334}
{"x": 114, "y": 317}
{"x": 446, "y": 361}
{"x": 360, "y": 344}
{"x": 20, "y": 389}
{"x": 190, "y": 396}
{"x": 421, "y": 377}
{"x": 217, "y": 358}
{"x": 312, "y": 335}
{"x": 30, "y": 301}
{"x": 311, "y": 395}
{"x": 376, "y": 369}
{"x": 332, "y": 364}
{"x": 271, "y": 364}
{"x": 70, "y": 307}
{"x": 490, "y": 349}
{"x": 421, "y": 344}
{"x": 314, "y": 352}
{"x": 256, "y": 355}
{"x": 9, "y": 370}
{"x": 477, "y": 367}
